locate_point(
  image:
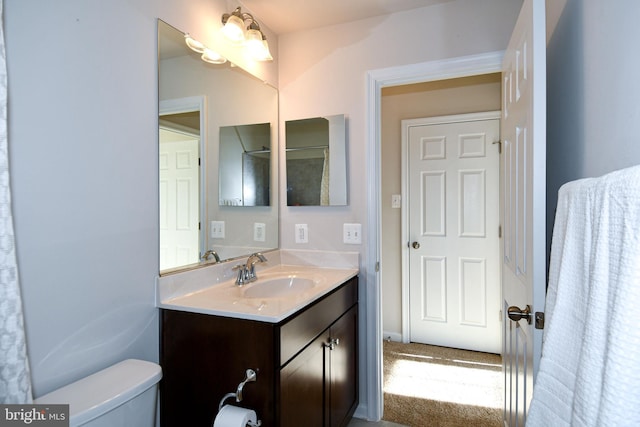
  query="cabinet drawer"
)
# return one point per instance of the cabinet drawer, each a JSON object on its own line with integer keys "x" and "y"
{"x": 299, "y": 331}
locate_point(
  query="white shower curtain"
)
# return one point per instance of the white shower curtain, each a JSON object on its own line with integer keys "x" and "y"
{"x": 15, "y": 380}
{"x": 324, "y": 184}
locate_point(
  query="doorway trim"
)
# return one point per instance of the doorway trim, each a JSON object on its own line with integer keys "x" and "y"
{"x": 443, "y": 69}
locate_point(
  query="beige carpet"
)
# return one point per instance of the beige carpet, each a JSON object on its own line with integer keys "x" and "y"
{"x": 429, "y": 386}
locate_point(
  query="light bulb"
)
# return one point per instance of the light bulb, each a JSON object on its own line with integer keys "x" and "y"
{"x": 194, "y": 44}
{"x": 267, "y": 54}
{"x": 257, "y": 46}
{"x": 213, "y": 57}
{"x": 233, "y": 29}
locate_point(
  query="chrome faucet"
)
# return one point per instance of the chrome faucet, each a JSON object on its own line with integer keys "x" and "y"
{"x": 247, "y": 272}
{"x": 210, "y": 252}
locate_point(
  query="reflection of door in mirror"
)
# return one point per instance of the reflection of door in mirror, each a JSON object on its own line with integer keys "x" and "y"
{"x": 180, "y": 147}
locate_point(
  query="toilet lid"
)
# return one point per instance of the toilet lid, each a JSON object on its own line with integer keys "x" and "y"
{"x": 97, "y": 394}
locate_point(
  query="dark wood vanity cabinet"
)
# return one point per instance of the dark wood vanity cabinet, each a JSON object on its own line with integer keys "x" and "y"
{"x": 307, "y": 365}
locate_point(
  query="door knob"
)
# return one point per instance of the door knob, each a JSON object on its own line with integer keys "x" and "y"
{"x": 333, "y": 342}
{"x": 415, "y": 245}
{"x": 516, "y": 313}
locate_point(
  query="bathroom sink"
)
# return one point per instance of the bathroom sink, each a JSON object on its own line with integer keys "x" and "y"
{"x": 278, "y": 287}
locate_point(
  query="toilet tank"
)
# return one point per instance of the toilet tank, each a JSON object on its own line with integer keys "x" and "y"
{"x": 123, "y": 395}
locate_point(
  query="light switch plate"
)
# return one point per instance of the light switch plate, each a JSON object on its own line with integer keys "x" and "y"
{"x": 352, "y": 234}
{"x": 217, "y": 229}
{"x": 259, "y": 230}
{"x": 302, "y": 233}
{"x": 396, "y": 201}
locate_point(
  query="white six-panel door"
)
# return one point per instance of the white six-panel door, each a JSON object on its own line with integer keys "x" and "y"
{"x": 179, "y": 199}
{"x": 453, "y": 248}
{"x": 523, "y": 195}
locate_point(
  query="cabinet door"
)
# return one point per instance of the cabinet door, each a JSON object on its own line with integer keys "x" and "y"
{"x": 302, "y": 387}
{"x": 343, "y": 375}
{"x": 204, "y": 357}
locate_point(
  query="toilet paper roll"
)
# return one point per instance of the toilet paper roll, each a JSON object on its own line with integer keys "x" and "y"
{"x": 234, "y": 416}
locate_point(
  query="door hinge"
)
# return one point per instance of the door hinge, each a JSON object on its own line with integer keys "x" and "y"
{"x": 377, "y": 266}
{"x": 499, "y": 146}
{"x": 539, "y": 322}
{"x": 499, "y": 232}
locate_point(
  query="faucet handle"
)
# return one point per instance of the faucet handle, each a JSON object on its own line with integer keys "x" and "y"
{"x": 242, "y": 273}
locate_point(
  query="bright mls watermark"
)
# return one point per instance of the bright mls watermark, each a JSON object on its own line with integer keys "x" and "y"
{"x": 34, "y": 415}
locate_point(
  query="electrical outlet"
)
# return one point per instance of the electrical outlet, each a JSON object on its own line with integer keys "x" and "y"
{"x": 217, "y": 229}
{"x": 352, "y": 234}
{"x": 302, "y": 233}
{"x": 259, "y": 231}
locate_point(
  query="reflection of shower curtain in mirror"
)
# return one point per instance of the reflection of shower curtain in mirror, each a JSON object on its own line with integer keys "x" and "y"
{"x": 255, "y": 180}
{"x": 15, "y": 380}
{"x": 324, "y": 185}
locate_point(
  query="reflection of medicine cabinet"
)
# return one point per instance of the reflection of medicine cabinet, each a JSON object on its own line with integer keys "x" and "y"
{"x": 244, "y": 166}
{"x": 316, "y": 161}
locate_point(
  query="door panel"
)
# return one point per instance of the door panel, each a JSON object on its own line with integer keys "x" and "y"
{"x": 453, "y": 173}
{"x": 516, "y": 368}
{"x": 522, "y": 207}
{"x": 302, "y": 391}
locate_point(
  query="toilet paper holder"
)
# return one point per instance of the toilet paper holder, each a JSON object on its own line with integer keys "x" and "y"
{"x": 250, "y": 376}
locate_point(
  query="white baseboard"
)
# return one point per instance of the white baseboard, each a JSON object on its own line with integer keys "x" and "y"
{"x": 392, "y": 336}
{"x": 361, "y": 412}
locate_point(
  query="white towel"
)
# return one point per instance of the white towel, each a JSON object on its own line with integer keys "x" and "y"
{"x": 590, "y": 368}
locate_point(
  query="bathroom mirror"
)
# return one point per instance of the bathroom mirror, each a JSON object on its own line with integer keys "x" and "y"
{"x": 199, "y": 103}
{"x": 316, "y": 156}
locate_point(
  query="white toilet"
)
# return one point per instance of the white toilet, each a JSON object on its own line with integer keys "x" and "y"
{"x": 124, "y": 394}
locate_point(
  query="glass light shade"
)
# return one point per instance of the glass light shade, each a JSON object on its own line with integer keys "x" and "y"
{"x": 256, "y": 46}
{"x": 194, "y": 44}
{"x": 267, "y": 52}
{"x": 234, "y": 29}
{"x": 213, "y": 57}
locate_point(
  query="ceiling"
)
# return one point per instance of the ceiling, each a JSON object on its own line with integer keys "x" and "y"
{"x": 287, "y": 16}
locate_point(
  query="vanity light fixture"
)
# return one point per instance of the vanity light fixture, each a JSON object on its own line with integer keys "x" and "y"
{"x": 208, "y": 55}
{"x": 241, "y": 28}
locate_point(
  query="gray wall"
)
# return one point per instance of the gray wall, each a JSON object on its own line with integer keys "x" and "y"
{"x": 83, "y": 147}
{"x": 593, "y": 91}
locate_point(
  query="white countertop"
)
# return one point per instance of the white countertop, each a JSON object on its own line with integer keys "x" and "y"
{"x": 219, "y": 295}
